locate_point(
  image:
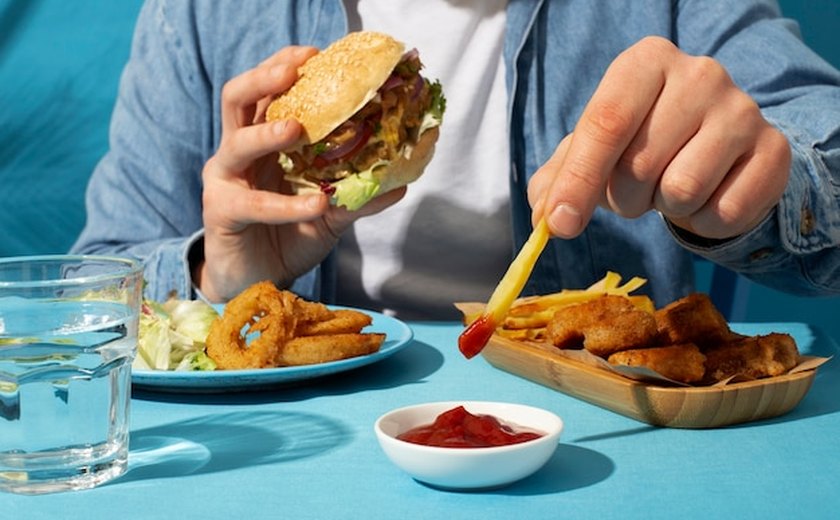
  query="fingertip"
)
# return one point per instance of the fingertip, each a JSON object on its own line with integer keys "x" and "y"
{"x": 537, "y": 212}
{"x": 286, "y": 130}
{"x": 565, "y": 221}
{"x": 316, "y": 205}
{"x": 304, "y": 52}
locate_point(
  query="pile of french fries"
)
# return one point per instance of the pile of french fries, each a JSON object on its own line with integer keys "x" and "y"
{"x": 529, "y": 316}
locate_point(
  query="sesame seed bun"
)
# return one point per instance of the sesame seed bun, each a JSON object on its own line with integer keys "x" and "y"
{"x": 369, "y": 120}
{"x": 335, "y": 83}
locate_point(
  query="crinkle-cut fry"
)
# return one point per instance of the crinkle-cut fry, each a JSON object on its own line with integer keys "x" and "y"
{"x": 343, "y": 321}
{"x": 311, "y": 350}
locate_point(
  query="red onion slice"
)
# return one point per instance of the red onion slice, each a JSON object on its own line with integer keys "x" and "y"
{"x": 361, "y": 134}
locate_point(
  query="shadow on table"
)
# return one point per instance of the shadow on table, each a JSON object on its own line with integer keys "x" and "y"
{"x": 571, "y": 467}
{"x": 227, "y": 441}
{"x": 409, "y": 366}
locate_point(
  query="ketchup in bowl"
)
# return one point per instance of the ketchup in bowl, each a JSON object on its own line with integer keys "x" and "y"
{"x": 458, "y": 428}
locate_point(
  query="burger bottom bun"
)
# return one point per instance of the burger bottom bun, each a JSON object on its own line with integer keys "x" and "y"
{"x": 404, "y": 170}
{"x": 400, "y": 172}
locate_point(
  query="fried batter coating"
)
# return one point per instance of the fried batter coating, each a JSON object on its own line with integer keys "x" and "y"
{"x": 341, "y": 321}
{"x": 258, "y": 310}
{"x": 309, "y": 350}
{"x": 693, "y": 319}
{"x": 602, "y": 326}
{"x": 752, "y": 357}
{"x": 684, "y": 363}
{"x": 266, "y": 327}
{"x": 308, "y": 313}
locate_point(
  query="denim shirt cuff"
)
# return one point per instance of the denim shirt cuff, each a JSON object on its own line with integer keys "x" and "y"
{"x": 807, "y": 221}
{"x": 167, "y": 270}
{"x": 740, "y": 253}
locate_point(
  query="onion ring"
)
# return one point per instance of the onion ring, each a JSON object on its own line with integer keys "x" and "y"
{"x": 260, "y": 309}
{"x": 266, "y": 327}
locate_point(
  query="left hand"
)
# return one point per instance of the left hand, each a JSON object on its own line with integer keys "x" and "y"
{"x": 670, "y": 132}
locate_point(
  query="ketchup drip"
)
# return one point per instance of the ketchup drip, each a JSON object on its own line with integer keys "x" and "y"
{"x": 458, "y": 428}
{"x": 476, "y": 336}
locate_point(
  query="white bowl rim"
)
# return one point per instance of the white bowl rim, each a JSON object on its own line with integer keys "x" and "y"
{"x": 548, "y": 435}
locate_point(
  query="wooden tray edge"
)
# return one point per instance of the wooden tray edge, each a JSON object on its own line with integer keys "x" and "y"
{"x": 674, "y": 407}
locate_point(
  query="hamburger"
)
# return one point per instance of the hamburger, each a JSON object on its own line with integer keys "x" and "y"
{"x": 369, "y": 119}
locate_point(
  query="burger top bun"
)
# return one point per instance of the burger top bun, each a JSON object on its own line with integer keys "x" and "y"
{"x": 335, "y": 83}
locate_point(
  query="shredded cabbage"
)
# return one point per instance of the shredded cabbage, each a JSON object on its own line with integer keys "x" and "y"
{"x": 172, "y": 335}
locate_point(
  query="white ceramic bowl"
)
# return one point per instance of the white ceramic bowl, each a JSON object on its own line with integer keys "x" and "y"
{"x": 469, "y": 468}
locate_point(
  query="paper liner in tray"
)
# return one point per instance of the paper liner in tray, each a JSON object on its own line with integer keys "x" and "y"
{"x": 660, "y": 403}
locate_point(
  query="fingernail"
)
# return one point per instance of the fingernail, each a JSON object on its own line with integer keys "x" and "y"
{"x": 313, "y": 202}
{"x": 565, "y": 221}
{"x": 538, "y": 207}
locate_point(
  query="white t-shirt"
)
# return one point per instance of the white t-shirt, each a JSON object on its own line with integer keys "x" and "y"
{"x": 449, "y": 239}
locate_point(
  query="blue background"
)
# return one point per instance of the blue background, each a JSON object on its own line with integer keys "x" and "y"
{"x": 59, "y": 69}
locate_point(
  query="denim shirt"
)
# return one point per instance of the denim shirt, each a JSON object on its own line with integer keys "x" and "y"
{"x": 144, "y": 198}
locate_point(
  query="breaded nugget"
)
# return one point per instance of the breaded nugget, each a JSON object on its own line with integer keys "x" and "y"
{"x": 310, "y": 350}
{"x": 693, "y": 319}
{"x": 684, "y": 363}
{"x": 602, "y": 326}
{"x": 753, "y": 357}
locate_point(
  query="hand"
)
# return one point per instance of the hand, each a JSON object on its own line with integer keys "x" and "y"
{"x": 254, "y": 229}
{"x": 670, "y": 132}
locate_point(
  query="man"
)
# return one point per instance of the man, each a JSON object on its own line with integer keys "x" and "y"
{"x": 641, "y": 131}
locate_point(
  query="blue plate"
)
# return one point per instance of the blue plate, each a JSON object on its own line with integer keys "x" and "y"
{"x": 398, "y": 335}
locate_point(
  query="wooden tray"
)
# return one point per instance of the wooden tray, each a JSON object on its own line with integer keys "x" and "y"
{"x": 675, "y": 407}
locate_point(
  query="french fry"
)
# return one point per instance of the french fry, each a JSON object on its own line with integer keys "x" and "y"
{"x": 529, "y": 321}
{"x": 528, "y": 316}
{"x": 473, "y": 339}
{"x": 523, "y": 334}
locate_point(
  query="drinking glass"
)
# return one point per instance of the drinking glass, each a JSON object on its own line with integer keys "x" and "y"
{"x": 68, "y": 335}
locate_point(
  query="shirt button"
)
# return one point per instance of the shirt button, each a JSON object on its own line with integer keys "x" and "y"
{"x": 807, "y": 222}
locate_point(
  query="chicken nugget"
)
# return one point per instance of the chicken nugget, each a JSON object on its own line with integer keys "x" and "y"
{"x": 310, "y": 350}
{"x": 602, "y": 326}
{"x": 693, "y": 319}
{"x": 753, "y": 357}
{"x": 684, "y": 363}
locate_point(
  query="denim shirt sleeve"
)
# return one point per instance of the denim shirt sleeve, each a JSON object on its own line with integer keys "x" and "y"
{"x": 144, "y": 197}
{"x": 797, "y": 248}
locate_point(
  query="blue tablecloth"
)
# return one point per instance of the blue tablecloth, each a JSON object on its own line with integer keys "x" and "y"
{"x": 308, "y": 451}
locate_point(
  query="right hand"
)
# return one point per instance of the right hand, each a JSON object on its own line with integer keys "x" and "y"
{"x": 254, "y": 229}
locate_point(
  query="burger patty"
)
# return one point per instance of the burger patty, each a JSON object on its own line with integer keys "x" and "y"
{"x": 375, "y": 133}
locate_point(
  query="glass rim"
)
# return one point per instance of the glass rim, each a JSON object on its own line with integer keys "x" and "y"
{"x": 131, "y": 267}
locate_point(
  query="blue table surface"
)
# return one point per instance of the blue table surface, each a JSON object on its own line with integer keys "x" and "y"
{"x": 308, "y": 451}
